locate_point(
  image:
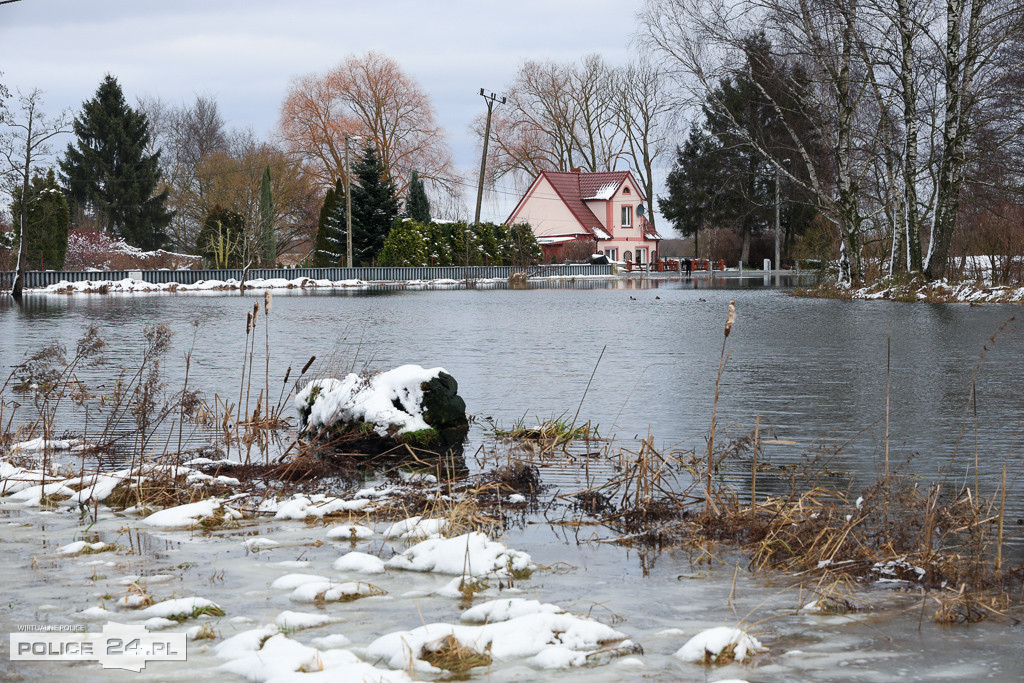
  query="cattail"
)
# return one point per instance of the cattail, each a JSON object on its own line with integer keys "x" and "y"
{"x": 255, "y": 312}
{"x": 731, "y": 319}
{"x": 266, "y": 301}
{"x": 248, "y": 323}
{"x": 287, "y": 374}
{"x": 308, "y": 363}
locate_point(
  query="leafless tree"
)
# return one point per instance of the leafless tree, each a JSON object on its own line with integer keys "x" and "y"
{"x": 23, "y": 141}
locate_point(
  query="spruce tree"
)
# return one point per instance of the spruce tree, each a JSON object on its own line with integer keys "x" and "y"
{"x": 330, "y": 246}
{"x": 46, "y": 229}
{"x": 417, "y": 206}
{"x": 374, "y": 207}
{"x": 267, "y": 221}
{"x": 106, "y": 170}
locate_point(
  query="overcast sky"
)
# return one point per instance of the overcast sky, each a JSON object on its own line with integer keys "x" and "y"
{"x": 245, "y": 53}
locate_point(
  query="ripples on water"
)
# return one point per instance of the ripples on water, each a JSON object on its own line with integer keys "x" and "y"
{"x": 814, "y": 370}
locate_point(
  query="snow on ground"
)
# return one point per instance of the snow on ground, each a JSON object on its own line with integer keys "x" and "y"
{"x": 360, "y": 563}
{"x": 471, "y": 554}
{"x": 300, "y": 506}
{"x": 40, "y": 444}
{"x": 371, "y": 400}
{"x": 279, "y": 658}
{"x": 544, "y": 638}
{"x": 294, "y": 621}
{"x": 80, "y": 546}
{"x": 710, "y": 645}
{"x": 129, "y": 285}
{"x": 415, "y": 528}
{"x": 190, "y": 514}
{"x": 349, "y": 532}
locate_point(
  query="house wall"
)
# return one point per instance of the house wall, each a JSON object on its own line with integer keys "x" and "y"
{"x": 624, "y": 239}
{"x": 546, "y": 213}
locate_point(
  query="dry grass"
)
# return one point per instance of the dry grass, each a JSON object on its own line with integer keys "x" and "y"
{"x": 454, "y": 657}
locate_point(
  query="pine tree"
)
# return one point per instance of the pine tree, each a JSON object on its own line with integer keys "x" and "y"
{"x": 417, "y": 206}
{"x": 106, "y": 171}
{"x": 374, "y": 207}
{"x": 267, "y": 220}
{"x": 330, "y": 246}
{"x": 46, "y": 230}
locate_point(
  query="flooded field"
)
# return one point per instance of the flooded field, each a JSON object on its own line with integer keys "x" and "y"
{"x": 811, "y": 373}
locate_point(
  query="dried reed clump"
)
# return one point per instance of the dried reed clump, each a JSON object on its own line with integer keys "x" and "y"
{"x": 454, "y": 657}
{"x": 518, "y": 477}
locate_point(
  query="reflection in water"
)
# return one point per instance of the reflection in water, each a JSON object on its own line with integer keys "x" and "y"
{"x": 813, "y": 370}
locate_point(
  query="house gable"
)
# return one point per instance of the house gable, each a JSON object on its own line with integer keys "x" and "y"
{"x": 603, "y": 206}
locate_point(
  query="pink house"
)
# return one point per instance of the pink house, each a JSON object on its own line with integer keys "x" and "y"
{"x": 574, "y": 211}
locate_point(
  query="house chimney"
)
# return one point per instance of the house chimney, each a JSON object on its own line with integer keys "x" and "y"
{"x": 574, "y": 170}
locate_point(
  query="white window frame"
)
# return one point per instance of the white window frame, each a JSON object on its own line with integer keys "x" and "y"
{"x": 627, "y": 215}
{"x": 612, "y": 253}
{"x": 640, "y": 255}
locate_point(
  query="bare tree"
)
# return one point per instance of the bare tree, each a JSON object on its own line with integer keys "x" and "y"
{"x": 22, "y": 143}
{"x": 371, "y": 97}
{"x": 187, "y": 135}
{"x": 902, "y": 89}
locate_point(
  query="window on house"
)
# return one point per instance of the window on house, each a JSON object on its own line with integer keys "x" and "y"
{"x": 625, "y": 190}
{"x": 612, "y": 254}
{"x": 628, "y": 256}
{"x": 641, "y": 255}
{"x": 627, "y": 216}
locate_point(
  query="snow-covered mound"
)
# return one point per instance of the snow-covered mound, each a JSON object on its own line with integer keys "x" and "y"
{"x": 371, "y": 400}
{"x": 711, "y": 644}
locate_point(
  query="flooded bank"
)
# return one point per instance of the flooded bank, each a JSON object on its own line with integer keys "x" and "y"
{"x": 814, "y": 371}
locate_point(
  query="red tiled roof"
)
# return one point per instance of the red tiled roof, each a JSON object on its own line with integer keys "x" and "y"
{"x": 573, "y": 188}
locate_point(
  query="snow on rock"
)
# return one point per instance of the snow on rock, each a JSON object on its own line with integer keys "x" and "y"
{"x": 710, "y": 644}
{"x": 358, "y": 399}
{"x": 188, "y": 515}
{"x": 349, "y": 532}
{"x": 471, "y": 554}
{"x": 546, "y": 639}
{"x": 361, "y": 563}
{"x": 294, "y": 621}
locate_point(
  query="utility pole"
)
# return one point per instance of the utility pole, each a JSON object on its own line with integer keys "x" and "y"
{"x": 490, "y": 100}
{"x": 348, "y": 202}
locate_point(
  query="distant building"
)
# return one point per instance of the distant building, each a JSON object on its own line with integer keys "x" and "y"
{"x": 572, "y": 212}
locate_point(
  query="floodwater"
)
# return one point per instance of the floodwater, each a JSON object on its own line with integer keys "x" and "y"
{"x": 816, "y": 372}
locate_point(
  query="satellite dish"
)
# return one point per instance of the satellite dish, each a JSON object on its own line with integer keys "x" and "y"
{"x": 640, "y": 210}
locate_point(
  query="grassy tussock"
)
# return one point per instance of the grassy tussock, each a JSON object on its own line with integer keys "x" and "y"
{"x": 454, "y": 657}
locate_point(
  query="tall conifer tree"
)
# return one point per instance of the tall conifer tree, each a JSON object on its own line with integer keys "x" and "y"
{"x": 46, "y": 228}
{"x": 267, "y": 220}
{"x": 417, "y": 206}
{"x": 329, "y": 247}
{"x": 374, "y": 207}
{"x": 107, "y": 172}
